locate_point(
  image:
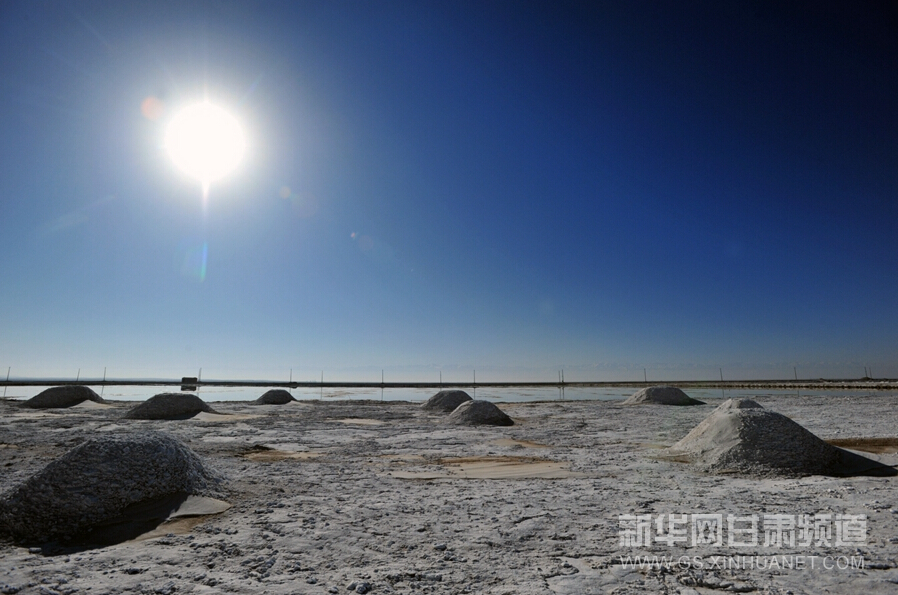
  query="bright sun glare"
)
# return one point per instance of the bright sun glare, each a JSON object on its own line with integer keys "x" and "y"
{"x": 205, "y": 141}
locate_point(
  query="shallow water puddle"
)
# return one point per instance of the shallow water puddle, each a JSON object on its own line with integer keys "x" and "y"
{"x": 33, "y": 414}
{"x": 359, "y": 421}
{"x": 265, "y": 454}
{"x": 188, "y": 515}
{"x": 88, "y": 404}
{"x": 874, "y": 445}
{"x": 513, "y": 442}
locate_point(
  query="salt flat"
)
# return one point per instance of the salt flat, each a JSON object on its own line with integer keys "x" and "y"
{"x": 389, "y": 497}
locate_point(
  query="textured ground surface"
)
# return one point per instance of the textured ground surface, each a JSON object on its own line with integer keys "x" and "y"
{"x": 388, "y": 497}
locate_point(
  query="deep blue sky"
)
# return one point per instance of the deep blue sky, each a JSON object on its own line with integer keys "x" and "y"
{"x": 508, "y": 186}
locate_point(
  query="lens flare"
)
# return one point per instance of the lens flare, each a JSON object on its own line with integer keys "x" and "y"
{"x": 152, "y": 108}
{"x": 196, "y": 257}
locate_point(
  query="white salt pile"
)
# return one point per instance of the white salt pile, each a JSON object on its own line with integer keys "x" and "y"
{"x": 741, "y": 436}
{"x": 477, "y": 413}
{"x": 276, "y": 396}
{"x": 59, "y": 397}
{"x": 170, "y": 406}
{"x": 446, "y": 400}
{"x": 662, "y": 395}
{"x": 96, "y": 483}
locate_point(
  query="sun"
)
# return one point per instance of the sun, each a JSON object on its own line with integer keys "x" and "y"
{"x": 205, "y": 141}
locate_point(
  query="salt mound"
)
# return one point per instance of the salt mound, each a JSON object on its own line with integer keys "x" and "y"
{"x": 741, "y": 436}
{"x": 446, "y": 400}
{"x": 99, "y": 481}
{"x": 662, "y": 395}
{"x": 59, "y": 397}
{"x": 276, "y": 396}
{"x": 738, "y": 404}
{"x": 477, "y": 413}
{"x": 169, "y": 406}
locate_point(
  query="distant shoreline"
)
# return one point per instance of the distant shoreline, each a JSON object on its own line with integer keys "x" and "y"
{"x": 855, "y": 384}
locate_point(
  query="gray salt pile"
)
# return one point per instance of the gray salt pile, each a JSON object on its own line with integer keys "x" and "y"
{"x": 662, "y": 395}
{"x": 170, "y": 406}
{"x": 731, "y": 404}
{"x": 741, "y": 436}
{"x": 275, "y": 397}
{"x": 446, "y": 400}
{"x": 106, "y": 481}
{"x": 63, "y": 396}
{"x": 479, "y": 413}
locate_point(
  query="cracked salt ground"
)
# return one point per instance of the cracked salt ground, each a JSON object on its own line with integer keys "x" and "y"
{"x": 316, "y": 524}
{"x": 491, "y": 467}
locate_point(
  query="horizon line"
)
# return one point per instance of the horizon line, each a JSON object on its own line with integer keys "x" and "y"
{"x": 864, "y": 382}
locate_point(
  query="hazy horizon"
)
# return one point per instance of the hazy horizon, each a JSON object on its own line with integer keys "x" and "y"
{"x": 454, "y": 374}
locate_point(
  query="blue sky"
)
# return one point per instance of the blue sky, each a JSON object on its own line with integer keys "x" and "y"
{"x": 511, "y": 187}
